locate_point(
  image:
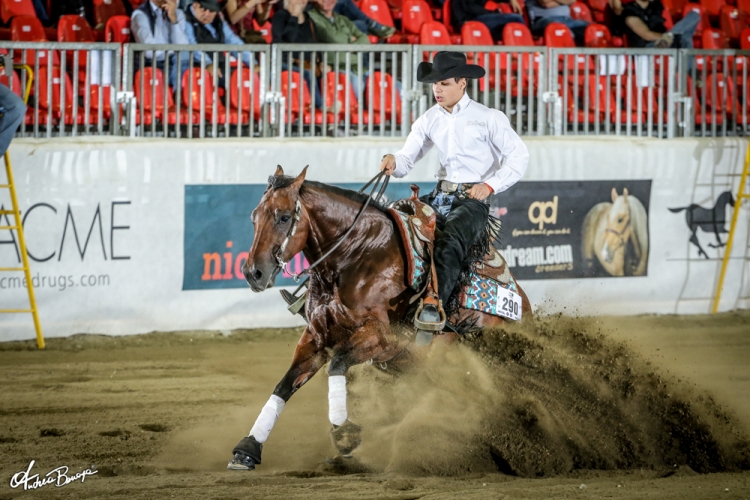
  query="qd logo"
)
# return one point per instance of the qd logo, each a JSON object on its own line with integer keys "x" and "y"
{"x": 538, "y": 212}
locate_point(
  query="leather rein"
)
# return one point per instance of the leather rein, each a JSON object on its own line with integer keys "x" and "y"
{"x": 298, "y": 212}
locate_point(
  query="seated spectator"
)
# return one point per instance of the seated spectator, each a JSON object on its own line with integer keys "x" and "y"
{"x": 241, "y": 16}
{"x": 204, "y": 24}
{"x": 161, "y": 22}
{"x": 291, "y": 24}
{"x": 473, "y": 10}
{"x": 643, "y": 23}
{"x": 365, "y": 24}
{"x": 544, "y": 12}
{"x": 41, "y": 12}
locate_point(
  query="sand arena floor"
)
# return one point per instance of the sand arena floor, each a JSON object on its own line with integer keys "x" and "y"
{"x": 576, "y": 403}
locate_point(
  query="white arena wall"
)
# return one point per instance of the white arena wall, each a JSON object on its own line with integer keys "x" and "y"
{"x": 106, "y": 226}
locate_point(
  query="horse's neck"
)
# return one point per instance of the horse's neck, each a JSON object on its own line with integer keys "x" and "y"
{"x": 331, "y": 215}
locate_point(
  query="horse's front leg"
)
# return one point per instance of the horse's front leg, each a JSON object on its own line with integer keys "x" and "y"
{"x": 308, "y": 359}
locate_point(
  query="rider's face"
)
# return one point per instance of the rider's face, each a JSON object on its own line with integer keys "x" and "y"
{"x": 449, "y": 92}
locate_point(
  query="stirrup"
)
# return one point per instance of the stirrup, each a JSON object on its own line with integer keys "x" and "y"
{"x": 433, "y": 326}
{"x": 296, "y": 304}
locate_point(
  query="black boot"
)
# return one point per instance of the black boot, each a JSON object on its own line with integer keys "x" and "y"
{"x": 246, "y": 454}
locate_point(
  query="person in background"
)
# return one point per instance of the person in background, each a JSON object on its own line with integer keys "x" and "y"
{"x": 292, "y": 24}
{"x": 544, "y": 12}
{"x": 41, "y": 12}
{"x": 204, "y": 24}
{"x": 161, "y": 22}
{"x": 241, "y": 14}
{"x": 643, "y": 24}
{"x": 365, "y": 24}
{"x": 474, "y": 10}
{"x": 12, "y": 111}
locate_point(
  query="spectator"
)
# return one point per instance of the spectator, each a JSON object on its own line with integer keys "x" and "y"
{"x": 544, "y": 12}
{"x": 474, "y": 10}
{"x": 41, "y": 12}
{"x": 643, "y": 23}
{"x": 161, "y": 22}
{"x": 241, "y": 16}
{"x": 365, "y": 24}
{"x": 12, "y": 111}
{"x": 204, "y": 24}
{"x": 292, "y": 24}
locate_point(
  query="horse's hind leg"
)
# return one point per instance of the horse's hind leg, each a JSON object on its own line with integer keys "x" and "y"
{"x": 308, "y": 359}
{"x": 694, "y": 241}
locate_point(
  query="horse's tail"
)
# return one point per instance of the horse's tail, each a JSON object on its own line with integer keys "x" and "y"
{"x": 677, "y": 210}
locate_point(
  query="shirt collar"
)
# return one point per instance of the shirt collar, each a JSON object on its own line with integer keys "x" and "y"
{"x": 154, "y": 8}
{"x": 461, "y": 105}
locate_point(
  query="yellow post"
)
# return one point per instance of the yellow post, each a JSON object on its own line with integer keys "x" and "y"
{"x": 728, "y": 250}
{"x": 24, "y": 256}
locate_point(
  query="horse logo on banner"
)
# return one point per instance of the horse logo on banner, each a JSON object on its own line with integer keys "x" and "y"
{"x": 710, "y": 220}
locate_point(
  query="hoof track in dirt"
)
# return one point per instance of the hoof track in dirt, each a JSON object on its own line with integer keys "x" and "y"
{"x": 154, "y": 427}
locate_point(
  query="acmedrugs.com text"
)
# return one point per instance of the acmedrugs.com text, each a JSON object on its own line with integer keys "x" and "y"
{"x": 59, "y": 282}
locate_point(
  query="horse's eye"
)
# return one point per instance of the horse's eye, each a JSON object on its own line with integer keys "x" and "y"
{"x": 284, "y": 219}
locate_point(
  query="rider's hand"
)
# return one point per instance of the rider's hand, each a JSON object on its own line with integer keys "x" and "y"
{"x": 388, "y": 165}
{"x": 479, "y": 191}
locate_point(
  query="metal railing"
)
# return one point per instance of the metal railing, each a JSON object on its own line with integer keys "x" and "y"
{"x": 330, "y": 89}
{"x": 196, "y": 91}
{"x": 206, "y": 90}
{"x": 72, "y": 87}
{"x": 612, "y": 92}
{"x": 515, "y": 82}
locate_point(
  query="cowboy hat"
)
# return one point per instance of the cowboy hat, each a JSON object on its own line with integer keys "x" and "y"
{"x": 447, "y": 65}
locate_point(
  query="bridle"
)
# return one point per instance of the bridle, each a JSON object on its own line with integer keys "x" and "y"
{"x": 619, "y": 233}
{"x": 297, "y": 215}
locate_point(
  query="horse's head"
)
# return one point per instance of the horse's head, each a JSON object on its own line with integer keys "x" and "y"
{"x": 280, "y": 231}
{"x": 619, "y": 228}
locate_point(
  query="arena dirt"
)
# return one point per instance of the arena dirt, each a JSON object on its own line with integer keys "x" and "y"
{"x": 637, "y": 407}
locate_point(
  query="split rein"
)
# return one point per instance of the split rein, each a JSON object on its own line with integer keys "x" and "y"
{"x": 377, "y": 180}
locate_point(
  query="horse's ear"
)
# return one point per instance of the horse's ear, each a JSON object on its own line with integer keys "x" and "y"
{"x": 279, "y": 171}
{"x": 625, "y": 192}
{"x": 614, "y": 194}
{"x": 297, "y": 184}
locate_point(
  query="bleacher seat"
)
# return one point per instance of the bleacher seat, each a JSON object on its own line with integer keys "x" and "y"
{"x": 117, "y": 30}
{"x": 598, "y": 9}
{"x": 264, "y": 29}
{"x": 105, "y": 9}
{"x": 148, "y": 86}
{"x": 597, "y": 36}
{"x": 745, "y": 39}
{"x": 713, "y": 8}
{"x": 725, "y": 104}
{"x": 378, "y": 10}
{"x": 384, "y": 103}
{"x": 415, "y": 13}
{"x": 12, "y": 8}
{"x": 53, "y": 105}
{"x": 744, "y": 6}
{"x": 202, "y": 83}
{"x": 732, "y": 21}
{"x": 295, "y": 89}
{"x": 694, "y": 7}
{"x": 396, "y": 8}
{"x": 446, "y": 15}
{"x": 335, "y": 92}
{"x": 558, "y": 35}
{"x": 581, "y": 12}
{"x": 250, "y": 95}
{"x": 675, "y": 7}
{"x": 29, "y": 29}
{"x": 434, "y": 33}
{"x": 518, "y": 35}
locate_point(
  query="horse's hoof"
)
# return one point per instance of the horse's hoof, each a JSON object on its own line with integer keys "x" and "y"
{"x": 241, "y": 461}
{"x": 346, "y": 437}
{"x": 424, "y": 338}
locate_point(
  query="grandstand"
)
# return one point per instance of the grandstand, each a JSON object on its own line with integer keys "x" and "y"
{"x": 85, "y": 75}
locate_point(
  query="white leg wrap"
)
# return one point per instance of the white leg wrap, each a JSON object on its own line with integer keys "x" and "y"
{"x": 267, "y": 418}
{"x": 337, "y": 399}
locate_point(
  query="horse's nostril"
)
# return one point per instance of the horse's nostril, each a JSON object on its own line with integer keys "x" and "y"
{"x": 257, "y": 274}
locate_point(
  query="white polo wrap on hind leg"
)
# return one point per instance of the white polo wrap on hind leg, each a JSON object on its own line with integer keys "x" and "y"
{"x": 337, "y": 399}
{"x": 267, "y": 418}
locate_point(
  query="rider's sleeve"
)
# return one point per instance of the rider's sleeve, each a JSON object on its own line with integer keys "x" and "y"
{"x": 416, "y": 146}
{"x": 511, "y": 150}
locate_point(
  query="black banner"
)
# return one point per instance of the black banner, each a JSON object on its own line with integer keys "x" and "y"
{"x": 575, "y": 229}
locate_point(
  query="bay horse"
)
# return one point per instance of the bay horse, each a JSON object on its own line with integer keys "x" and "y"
{"x": 616, "y": 234}
{"x": 357, "y": 300}
{"x": 710, "y": 220}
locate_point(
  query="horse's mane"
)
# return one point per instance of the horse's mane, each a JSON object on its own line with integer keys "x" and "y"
{"x": 282, "y": 181}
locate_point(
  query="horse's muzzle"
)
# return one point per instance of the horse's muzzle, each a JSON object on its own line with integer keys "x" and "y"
{"x": 259, "y": 279}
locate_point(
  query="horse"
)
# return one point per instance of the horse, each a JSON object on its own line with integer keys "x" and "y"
{"x": 617, "y": 234}
{"x": 357, "y": 300}
{"x": 708, "y": 219}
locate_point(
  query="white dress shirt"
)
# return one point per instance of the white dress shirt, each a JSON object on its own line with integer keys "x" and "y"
{"x": 476, "y": 144}
{"x": 164, "y": 31}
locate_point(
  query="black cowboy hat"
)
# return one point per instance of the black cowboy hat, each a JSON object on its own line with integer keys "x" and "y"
{"x": 212, "y": 5}
{"x": 447, "y": 65}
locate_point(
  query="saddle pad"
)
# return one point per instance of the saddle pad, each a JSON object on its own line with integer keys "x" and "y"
{"x": 416, "y": 267}
{"x": 492, "y": 297}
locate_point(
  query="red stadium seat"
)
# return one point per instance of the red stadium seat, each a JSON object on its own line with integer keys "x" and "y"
{"x": 744, "y": 6}
{"x": 434, "y": 33}
{"x": 476, "y": 33}
{"x": 396, "y": 7}
{"x": 668, "y": 23}
{"x": 694, "y": 7}
{"x": 378, "y": 10}
{"x": 105, "y": 9}
{"x": 598, "y": 8}
{"x": 383, "y": 82}
{"x": 29, "y": 29}
{"x": 732, "y": 21}
{"x": 597, "y": 36}
{"x": 74, "y": 29}
{"x": 264, "y": 29}
{"x": 675, "y": 7}
{"x": 117, "y": 30}
{"x": 415, "y": 13}
{"x": 12, "y": 8}
{"x": 336, "y": 93}
{"x": 518, "y": 35}
{"x": 154, "y": 108}
{"x": 202, "y": 83}
{"x": 713, "y": 8}
{"x": 295, "y": 88}
{"x": 745, "y": 39}
{"x": 250, "y": 94}
{"x": 581, "y": 11}
{"x": 54, "y": 104}
{"x": 16, "y": 86}
{"x": 558, "y": 35}
{"x": 446, "y": 14}
{"x": 106, "y": 96}
{"x": 723, "y": 107}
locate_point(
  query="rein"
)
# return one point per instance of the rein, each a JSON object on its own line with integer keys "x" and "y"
{"x": 297, "y": 213}
{"x": 619, "y": 233}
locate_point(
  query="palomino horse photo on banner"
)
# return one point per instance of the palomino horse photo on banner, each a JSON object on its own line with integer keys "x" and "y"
{"x": 615, "y": 237}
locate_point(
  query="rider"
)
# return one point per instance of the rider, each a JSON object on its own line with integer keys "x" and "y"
{"x": 480, "y": 155}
